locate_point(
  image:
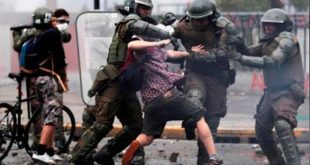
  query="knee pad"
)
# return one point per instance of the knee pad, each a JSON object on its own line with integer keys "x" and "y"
{"x": 100, "y": 129}
{"x": 195, "y": 96}
{"x": 282, "y": 125}
{"x": 88, "y": 118}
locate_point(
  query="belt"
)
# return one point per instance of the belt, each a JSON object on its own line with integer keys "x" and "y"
{"x": 279, "y": 87}
{"x": 170, "y": 92}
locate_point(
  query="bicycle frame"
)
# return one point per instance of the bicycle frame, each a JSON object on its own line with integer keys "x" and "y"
{"x": 18, "y": 108}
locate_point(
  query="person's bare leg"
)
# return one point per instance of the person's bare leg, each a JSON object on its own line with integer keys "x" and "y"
{"x": 47, "y": 135}
{"x": 141, "y": 140}
{"x": 144, "y": 139}
{"x": 205, "y": 135}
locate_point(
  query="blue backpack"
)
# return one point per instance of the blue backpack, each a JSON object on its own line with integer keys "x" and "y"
{"x": 28, "y": 59}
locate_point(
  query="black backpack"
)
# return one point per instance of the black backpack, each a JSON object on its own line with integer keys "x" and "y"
{"x": 131, "y": 75}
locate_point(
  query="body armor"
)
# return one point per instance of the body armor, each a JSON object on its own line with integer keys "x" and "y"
{"x": 281, "y": 60}
{"x": 130, "y": 25}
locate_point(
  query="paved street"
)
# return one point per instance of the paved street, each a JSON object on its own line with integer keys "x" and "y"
{"x": 238, "y": 122}
{"x": 180, "y": 152}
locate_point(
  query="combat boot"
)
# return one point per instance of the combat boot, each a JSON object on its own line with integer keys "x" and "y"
{"x": 117, "y": 144}
{"x": 288, "y": 142}
{"x": 103, "y": 156}
{"x": 215, "y": 162}
{"x": 138, "y": 158}
{"x": 88, "y": 142}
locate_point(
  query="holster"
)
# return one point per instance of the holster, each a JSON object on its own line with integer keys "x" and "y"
{"x": 231, "y": 76}
{"x": 103, "y": 78}
{"x": 298, "y": 91}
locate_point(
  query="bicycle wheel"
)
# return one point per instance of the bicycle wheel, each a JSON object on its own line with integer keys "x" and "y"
{"x": 7, "y": 129}
{"x": 32, "y": 131}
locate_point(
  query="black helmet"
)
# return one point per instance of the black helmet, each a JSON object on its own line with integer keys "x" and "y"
{"x": 201, "y": 9}
{"x": 278, "y": 17}
{"x": 129, "y": 6}
{"x": 42, "y": 17}
{"x": 145, "y": 3}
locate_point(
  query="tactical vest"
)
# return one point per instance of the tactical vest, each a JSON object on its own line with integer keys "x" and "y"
{"x": 122, "y": 35}
{"x": 210, "y": 38}
{"x": 290, "y": 70}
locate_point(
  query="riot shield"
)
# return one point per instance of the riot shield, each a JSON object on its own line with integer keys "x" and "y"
{"x": 94, "y": 35}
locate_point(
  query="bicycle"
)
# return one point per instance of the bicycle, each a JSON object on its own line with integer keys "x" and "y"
{"x": 12, "y": 130}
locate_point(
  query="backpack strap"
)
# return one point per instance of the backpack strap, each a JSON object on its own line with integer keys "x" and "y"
{"x": 62, "y": 83}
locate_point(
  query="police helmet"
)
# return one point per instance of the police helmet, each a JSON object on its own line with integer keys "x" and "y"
{"x": 42, "y": 17}
{"x": 278, "y": 17}
{"x": 147, "y": 3}
{"x": 129, "y": 5}
{"x": 201, "y": 9}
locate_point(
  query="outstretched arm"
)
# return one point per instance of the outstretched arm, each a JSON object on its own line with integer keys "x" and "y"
{"x": 141, "y": 44}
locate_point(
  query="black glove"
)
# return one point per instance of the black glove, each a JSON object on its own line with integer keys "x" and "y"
{"x": 175, "y": 43}
{"x": 237, "y": 43}
{"x": 234, "y": 40}
{"x": 234, "y": 56}
{"x": 168, "y": 19}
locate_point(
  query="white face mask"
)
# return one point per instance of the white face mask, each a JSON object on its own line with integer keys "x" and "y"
{"x": 62, "y": 26}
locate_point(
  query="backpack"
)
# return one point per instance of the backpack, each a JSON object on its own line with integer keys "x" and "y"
{"x": 28, "y": 59}
{"x": 131, "y": 74}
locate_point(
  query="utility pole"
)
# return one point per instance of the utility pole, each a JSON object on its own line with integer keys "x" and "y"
{"x": 96, "y": 4}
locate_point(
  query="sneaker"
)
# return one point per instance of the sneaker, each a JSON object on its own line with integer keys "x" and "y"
{"x": 215, "y": 162}
{"x": 127, "y": 157}
{"x": 43, "y": 158}
{"x": 56, "y": 157}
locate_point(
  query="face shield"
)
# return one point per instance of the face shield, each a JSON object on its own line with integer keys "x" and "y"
{"x": 199, "y": 24}
{"x": 269, "y": 29}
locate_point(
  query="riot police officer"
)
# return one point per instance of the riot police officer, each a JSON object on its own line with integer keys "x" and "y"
{"x": 278, "y": 54}
{"x": 207, "y": 73}
{"x": 112, "y": 100}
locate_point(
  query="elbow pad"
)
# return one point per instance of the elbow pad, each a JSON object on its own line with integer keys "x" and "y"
{"x": 143, "y": 28}
{"x": 256, "y": 62}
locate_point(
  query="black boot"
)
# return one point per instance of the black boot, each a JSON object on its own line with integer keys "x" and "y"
{"x": 88, "y": 142}
{"x": 138, "y": 158}
{"x": 116, "y": 145}
{"x": 268, "y": 144}
{"x": 287, "y": 141}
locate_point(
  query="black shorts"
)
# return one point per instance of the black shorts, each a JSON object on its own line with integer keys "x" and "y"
{"x": 170, "y": 106}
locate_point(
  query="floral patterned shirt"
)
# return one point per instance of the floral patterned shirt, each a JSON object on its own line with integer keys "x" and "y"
{"x": 157, "y": 80}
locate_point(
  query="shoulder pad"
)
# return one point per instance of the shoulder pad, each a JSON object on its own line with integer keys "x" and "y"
{"x": 287, "y": 35}
{"x": 286, "y": 40}
{"x": 131, "y": 17}
{"x": 227, "y": 25}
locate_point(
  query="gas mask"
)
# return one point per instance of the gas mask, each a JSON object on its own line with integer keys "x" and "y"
{"x": 65, "y": 35}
